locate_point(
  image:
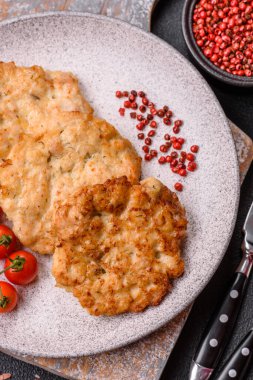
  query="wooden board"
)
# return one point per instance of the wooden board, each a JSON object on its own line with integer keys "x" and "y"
{"x": 146, "y": 358}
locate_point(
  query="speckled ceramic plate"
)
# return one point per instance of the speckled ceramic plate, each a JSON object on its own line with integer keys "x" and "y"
{"x": 107, "y": 55}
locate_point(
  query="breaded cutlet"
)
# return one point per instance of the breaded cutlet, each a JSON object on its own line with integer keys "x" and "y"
{"x": 119, "y": 244}
{"x": 50, "y": 145}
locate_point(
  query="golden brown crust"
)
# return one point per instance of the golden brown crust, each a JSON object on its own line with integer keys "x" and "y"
{"x": 119, "y": 244}
{"x": 50, "y": 144}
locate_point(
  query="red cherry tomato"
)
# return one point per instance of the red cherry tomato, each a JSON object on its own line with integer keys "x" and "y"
{"x": 21, "y": 268}
{"x": 8, "y": 297}
{"x": 8, "y": 241}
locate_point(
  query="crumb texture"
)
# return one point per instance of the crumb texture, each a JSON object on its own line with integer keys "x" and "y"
{"x": 119, "y": 244}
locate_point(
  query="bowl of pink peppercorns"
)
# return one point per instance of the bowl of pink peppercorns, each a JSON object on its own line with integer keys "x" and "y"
{"x": 219, "y": 34}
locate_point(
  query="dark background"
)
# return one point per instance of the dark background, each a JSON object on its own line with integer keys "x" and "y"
{"x": 238, "y": 105}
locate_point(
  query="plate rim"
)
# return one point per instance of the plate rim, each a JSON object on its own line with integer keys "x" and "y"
{"x": 137, "y": 336}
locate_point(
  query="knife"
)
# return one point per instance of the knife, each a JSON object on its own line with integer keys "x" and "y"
{"x": 221, "y": 325}
{"x": 239, "y": 362}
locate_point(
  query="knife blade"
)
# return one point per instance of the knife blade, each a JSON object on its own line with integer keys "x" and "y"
{"x": 220, "y": 327}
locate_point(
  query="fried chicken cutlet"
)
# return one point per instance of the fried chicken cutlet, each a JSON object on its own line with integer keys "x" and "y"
{"x": 119, "y": 244}
{"x": 50, "y": 145}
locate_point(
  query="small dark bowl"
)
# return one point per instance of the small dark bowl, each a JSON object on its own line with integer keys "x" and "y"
{"x": 204, "y": 62}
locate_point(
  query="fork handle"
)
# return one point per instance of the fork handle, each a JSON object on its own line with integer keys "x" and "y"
{"x": 239, "y": 362}
{"x": 219, "y": 330}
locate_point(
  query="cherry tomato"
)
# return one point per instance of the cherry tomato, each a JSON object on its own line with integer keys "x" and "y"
{"x": 20, "y": 268}
{"x": 8, "y": 241}
{"x": 8, "y": 297}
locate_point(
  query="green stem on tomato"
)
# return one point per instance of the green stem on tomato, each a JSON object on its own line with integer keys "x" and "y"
{"x": 17, "y": 264}
{"x": 5, "y": 240}
{"x": 3, "y": 299}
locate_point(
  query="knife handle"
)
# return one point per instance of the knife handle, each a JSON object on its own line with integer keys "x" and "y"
{"x": 219, "y": 329}
{"x": 239, "y": 362}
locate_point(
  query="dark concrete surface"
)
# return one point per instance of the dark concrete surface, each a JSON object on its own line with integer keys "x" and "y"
{"x": 238, "y": 105}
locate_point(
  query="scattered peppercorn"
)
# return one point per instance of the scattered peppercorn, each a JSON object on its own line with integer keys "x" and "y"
{"x": 167, "y": 121}
{"x": 153, "y": 124}
{"x": 140, "y": 126}
{"x": 142, "y": 108}
{"x": 162, "y": 160}
{"x": 174, "y": 169}
{"x": 140, "y": 117}
{"x": 148, "y": 141}
{"x": 178, "y": 186}
{"x": 178, "y": 123}
{"x": 151, "y": 133}
{"x": 177, "y": 146}
{"x": 176, "y": 161}
{"x": 145, "y": 149}
{"x": 190, "y": 157}
{"x": 164, "y": 148}
{"x": 176, "y": 129}
{"x": 153, "y": 153}
{"x": 192, "y": 166}
{"x": 194, "y": 148}
{"x": 174, "y": 154}
{"x": 182, "y": 172}
{"x": 127, "y": 104}
{"x": 160, "y": 113}
{"x": 181, "y": 140}
{"x": 131, "y": 98}
{"x": 122, "y": 111}
{"x": 119, "y": 94}
{"x": 148, "y": 157}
